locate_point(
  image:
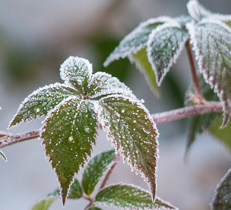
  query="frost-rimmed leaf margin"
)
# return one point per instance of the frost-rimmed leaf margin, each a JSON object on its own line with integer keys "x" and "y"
{"x": 126, "y": 196}
{"x": 119, "y": 53}
{"x": 221, "y": 200}
{"x": 197, "y": 11}
{"x": 66, "y": 173}
{"x": 48, "y": 96}
{"x": 76, "y": 72}
{"x": 103, "y": 84}
{"x": 158, "y": 65}
{"x": 146, "y": 166}
{"x": 207, "y": 74}
{"x": 3, "y": 156}
{"x": 95, "y": 169}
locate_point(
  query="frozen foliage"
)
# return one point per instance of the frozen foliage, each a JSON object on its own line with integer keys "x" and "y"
{"x": 77, "y": 72}
{"x": 130, "y": 197}
{"x": 136, "y": 40}
{"x": 95, "y": 170}
{"x": 222, "y": 199}
{"x": 197, "y": 11}
{"x": 41, "y": 101}
{"x": 212, "y": 44}
{"x": 164, "y": 46}
{"x": 69, "y": 132}
{"x": 133, "y": 134}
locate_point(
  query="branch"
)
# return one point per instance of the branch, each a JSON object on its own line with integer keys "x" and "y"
{"x": 187, "y": 112}
{"x": 193, "y": 71}
{"x": 158, "y": 118}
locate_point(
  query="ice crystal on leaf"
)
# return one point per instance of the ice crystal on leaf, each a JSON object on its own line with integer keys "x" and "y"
{"x": 212, "y": 44}
{"x": 197, "y": 11}
{"x": 72, "y": 112}
{"x": 130, "y": 197}
{"x": 134, "y": 140}
{"x": 222, "y": 199}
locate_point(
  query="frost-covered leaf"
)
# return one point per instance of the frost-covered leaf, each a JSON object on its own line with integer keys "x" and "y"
{"x": 183, "y": 20}
{"x": 95, "y": 170}
{"x": 197, "y": 11}
{"x": 136, "y": 40}
{"x": 164, "y": 47}
{"x": 130, "y": 197}
{"x": 132, "y": 130}
{"x": 104, "y": 84}
{"x": 46, "y": 202}
{"x": 77, "y": 72}
{"x": 3, "y": 156}
{"x": 75, "y": 191}
{"x": 212, "y": 44}
{"x": 69, "y": 132}
{"x": 222, "y": 199}
{"x": 41, "y": 101}
{"x": 140, "y": 58}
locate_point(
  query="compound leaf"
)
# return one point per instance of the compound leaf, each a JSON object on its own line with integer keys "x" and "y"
{"x": 212, "y": 44}
{"x": 41, "y": 101}
{"x": 132, "y": 130}
{"x": 164, "y": 47}
{"x": 69, "y": 132}
{"x": 104, "y": 84}
{"x": 140, "y": 58}
{"x": 197, "y": 11}
{"x": 77, "y": 72}
{"x": 130, "y": 197}
{"x": 75, "y": 191}
{"x": 136, "y": 40}
{"x": 222, "y": 199}
{"x": 95, "y": 170}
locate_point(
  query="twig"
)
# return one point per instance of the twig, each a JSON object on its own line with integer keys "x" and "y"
{"x": 187, "y": 112}
{"x": 193, "y": 71}
{"x": 110, "y": 171}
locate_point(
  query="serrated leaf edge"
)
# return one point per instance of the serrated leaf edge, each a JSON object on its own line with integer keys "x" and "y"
{"x": 138, "y": 188}
{"x": 113, "y": 57}
{"x": 55, "y": 85}
{"x": 110, "y": 137}
{"x": 192, "y": 32}
{"x": 176, "y": 55}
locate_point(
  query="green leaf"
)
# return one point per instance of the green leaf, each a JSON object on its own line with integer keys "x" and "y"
{"x": 132, "y": 130}
{"x": 3, "y": 156}
{"x": 197, "y": 11}
{"x": 164, "y": 47}
{"x": 130, "y": 197}
{"x": 103, "y": 84}
{"x": 212, "y": 44}
{"x": 69, "y": 133}
{"x": 75, "y": 191}
{"x": 136, "y": 40}
{"x": 77, "y": 72}
{"x": 140, "y": 58}
{"x": 94, "y": 208}
{"x": 46, "y": 202}
{"x": 43, "y": 204}
{"x": 41, "y": 101}
{"x": 221, "y": 134}
{"x": 95, "y": 170}
{"x": 222, "y": 199}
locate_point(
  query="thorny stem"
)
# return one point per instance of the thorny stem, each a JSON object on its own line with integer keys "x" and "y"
{"x": 193, "y": 71}
{"x": 168, "y": 116}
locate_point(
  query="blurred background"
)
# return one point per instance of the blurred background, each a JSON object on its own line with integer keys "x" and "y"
{"x": 37, "y": 36}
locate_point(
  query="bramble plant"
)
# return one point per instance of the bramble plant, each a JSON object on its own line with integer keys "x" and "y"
{"x": 86, "y": 102}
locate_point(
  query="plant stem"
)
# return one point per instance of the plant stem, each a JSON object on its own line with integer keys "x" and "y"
{"x": 110, "y": 171}
{"x": 193, "y": 71}
{"x": 168, "y": 116}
